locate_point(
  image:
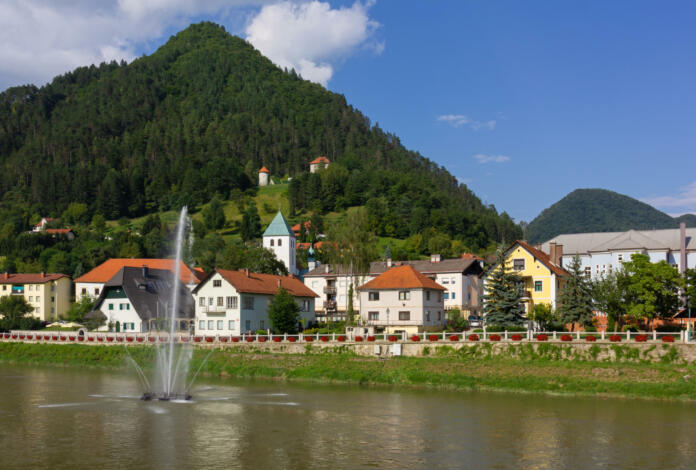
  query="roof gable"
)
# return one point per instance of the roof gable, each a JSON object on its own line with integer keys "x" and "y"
{"x": 401, "y": 277}
{"x": 257, "y": 283}
{"x": 278, "y": 227}
{"x": 539, "y": 255}
{"x": 110, "y": 267}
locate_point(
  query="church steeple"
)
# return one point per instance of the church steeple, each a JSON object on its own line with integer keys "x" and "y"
{"x": 280, "y": 239}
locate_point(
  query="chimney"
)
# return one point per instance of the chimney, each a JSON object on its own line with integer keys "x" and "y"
{"x": 43, "y": 273}
{"x": 552, "y": 251}
{"x": 389, "y": 262}
{"x": 559, "y": 255}
{"x": 246, "y": 271}
{"x": 145, "y": 271}
{"x": 434, "y": 258}
{"x": 326, "y": 269}
{"x": 538, "y": 246}
{"x": 279, "y": 285}
{"x": 682, "y": 247}
{"x": 7, "y": 275}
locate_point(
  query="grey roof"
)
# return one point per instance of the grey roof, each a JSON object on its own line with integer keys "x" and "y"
{"x": 278, "y": 227}
{"x": 581, "y": 243}
{"x": 455, "y": 265}
{"x": 150, "y": 292}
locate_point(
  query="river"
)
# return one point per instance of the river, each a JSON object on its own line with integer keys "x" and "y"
{"x": 73, "y": 418}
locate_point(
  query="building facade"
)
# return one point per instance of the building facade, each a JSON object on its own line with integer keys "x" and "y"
{"x": 236, "y": 302}
{"x": 318, "y": 164}
{"x": 280, "y": 239}
{"x": 50, "y": 295}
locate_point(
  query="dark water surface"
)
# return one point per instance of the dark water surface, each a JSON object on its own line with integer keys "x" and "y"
{"x": 85, "y": 419}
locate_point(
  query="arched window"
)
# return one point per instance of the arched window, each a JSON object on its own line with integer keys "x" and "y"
{"x": 271, "y": 242}
{"x": 280, "y": 242}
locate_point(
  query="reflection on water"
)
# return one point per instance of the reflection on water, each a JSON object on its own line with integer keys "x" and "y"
{"x": 85, "y": 419}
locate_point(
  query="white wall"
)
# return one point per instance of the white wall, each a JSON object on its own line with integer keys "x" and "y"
{"x": 418, "y": 306}
{"x": 123, "y": 311}
{"x": 286, "y": 252}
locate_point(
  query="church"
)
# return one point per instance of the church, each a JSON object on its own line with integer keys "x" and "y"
{"x": 280, "y": 239}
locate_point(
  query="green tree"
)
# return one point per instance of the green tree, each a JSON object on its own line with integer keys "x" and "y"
{"x": 14, "y": 310}
{"x": 545, "y": 317}
{"x": 610, "y": 295}
{"x": 79, "y": 309}
{"x": 284, "y": 313}
{"x": 503, "y": 295}
{"x": 575, "y": 297}
{"x": 654, "y": 288}
{"x": 690, "y": 289}
{"x": 76, "y": 213}
{"x": 214, "y": 215}
{"x": 251, "y": 224}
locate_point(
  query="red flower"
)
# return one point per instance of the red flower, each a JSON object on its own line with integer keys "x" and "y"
{"x": 516, "y": 337}
{"x": 235, "y": 339}
{"x": 99, "y": 338}
{"x": 392, "y": 338}
{"x": 224, "y": 339}
{"x": 591, "y": 338}
{"x": 277, "y": 339}
{"x": 542, "y": 337}
{"x": 668, "y": 339}
{"x": 72, "y": 338}
{"x": 433, "y": 337}
{"x": 197, "y": 339}
{"x": 566, "y": 338}
{"x": 324, "y": 339}
{"x": 140, "y": 339}
{"x": 292, "y": 339}
{"x": 151, "y": 339}
{"x": 249, "y": 339}
{"x": 129, "y": 339}
{"x": 119, "y": 339}
{"x": 473, "y": 337}
{"x": 641, "y": 338}
{"x": 615, "y": 338}
{"x": 454, "y": 338}
{"x": 163, "y": 339}
{"x": 90, "y": 338}
{"x": 183, "y": 339}
{"x": 494, "y": 338}
{"x": 415, "y": 338}
{"x": 21, "y": 336}
{"x": 370, "y": 338}
{"x": 209, "y": 339}
{"x": 79, "y": 338}
{"x": 54, "y": 338}
{"x": 309, "y": 339}
{"x": 341, "y": 338}
{"x": 358, "y": 338}
{"x": 262, "y": 339}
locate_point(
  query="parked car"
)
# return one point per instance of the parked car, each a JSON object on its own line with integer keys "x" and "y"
{"x": 475, "y": 321}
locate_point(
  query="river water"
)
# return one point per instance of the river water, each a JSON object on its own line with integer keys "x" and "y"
{"x": 71, "y": 418}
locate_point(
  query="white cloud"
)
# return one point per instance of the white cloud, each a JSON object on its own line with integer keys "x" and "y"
{"x": 481, "y": 158}
{"x": 458, "y": 120}
{"x": 311, "y": 36}
{"x": 685, "y": 200}
{"x": 43, "y": 38}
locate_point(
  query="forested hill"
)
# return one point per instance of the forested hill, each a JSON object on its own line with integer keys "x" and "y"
{"x": 199, "y": 117}
{"x": 599, "y": 210}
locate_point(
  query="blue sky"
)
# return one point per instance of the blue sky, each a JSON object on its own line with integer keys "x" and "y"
{"x": 523, "y": 101}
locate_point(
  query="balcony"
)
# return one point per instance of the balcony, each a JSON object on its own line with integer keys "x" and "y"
{"x": 330, "y": 306}
{"x": 329, "y": 290}
{"x": 214, "y": 309}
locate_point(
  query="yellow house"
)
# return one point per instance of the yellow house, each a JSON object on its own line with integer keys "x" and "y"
{"x": 543, "y": 277}
{"x": 48, "y": 294}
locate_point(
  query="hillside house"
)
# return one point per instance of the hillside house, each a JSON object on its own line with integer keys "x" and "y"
{"x": 318, "y": 164}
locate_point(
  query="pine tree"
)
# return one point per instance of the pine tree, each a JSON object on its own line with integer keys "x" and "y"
{"x": 503, "y": 297}
{"x": 575, "y": 297}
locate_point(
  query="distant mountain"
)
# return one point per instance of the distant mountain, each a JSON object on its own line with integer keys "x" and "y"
{"x": 599, "y": 210}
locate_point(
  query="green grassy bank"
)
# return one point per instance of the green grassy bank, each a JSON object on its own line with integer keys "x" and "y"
{"x": 443, "y": 368}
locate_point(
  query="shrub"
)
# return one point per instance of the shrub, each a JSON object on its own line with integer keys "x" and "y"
{"x": 358, "y": 338}
{"x": 641, "y": 338}
{"x": 669, "y": 328}
{"x": 392, "y": 338}
{"x": 324, "y": 339}
{"x": 292, "y": 339}
{"x": 277, "y": 339}
{"x": 473, "y": 337}
{"x": 590, "y": 338}
{"x": 341, "y": 338}
{"x": 454, "y": 338}
{"x": 494, "y": 338}
{"x": 668, "y": 339}
{"x": 566, "y": 338}
{"x": 433, "y": 337}
{"x": 309, "y": 339}
{"x": 415, "y": 338}
{"x": 542, "y": 337}
{"x": 209, "y": 339}
{"x": 615, "y": 338}
{"x": 516, "y": 337}
{"x": 370, "y": 338}
{"x": 630, "y": 328}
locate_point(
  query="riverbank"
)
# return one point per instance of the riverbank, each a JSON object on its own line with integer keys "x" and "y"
{"x": 549, "y": 371}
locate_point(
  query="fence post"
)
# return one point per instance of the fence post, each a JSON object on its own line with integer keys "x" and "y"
{"x": 654, "y": 335}
{"x": 443, "y": 335}
{"x": 628, "y": 335}
{"x": 577, "y": 335}
{"x": 505, "y": 335}
{"x": 554, "y": 336}
{"x": 603, "y": 332}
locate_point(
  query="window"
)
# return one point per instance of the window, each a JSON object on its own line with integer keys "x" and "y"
{"x": 445, "y": 280}
{"x": 280, "y": 242}
{"x": 427, "y": 295}
{"x": 272, "y": 242}
{"x": 373, "y": 296}
{"x": 231, "y": 302}
{"x": 518, "y": 264}
{"x": 446, "y": 295}
{"x": 261, "y": 325}
{"x": 248, "y": 302}
{"x": 248, "y": 325}
{"x": 201, "y": 301}
{"x": 427, "y": 315}
{"x": 404, "y": 295}
{"x": 620, "y": 257}
{"x": 38, "y": 298}
{"x": 373, "y": 316}
{"x": 315, "y": 284}
{"x": 220, "y": 301}
{"x": 231, "y": 324}
{"x": 53, "y": 310}
{"x": 120, "y": 306}
{"x": 96, "y": 291}
{"x": 439, "y": 315}
{"x": 201, "y": 325}
{"x": 111, "y": 306}
{"x": 38, "y": 309}
{"x": 83, "y": 291}
{"x": 342, "y": 283}
{"x": 453, "y": 280}
{"x": 31, "y": 286}
{"x": 454, "y": 295}
{"x": 404, "y": 316}
{"x": 53, "y": 299}
{"x": 219, "y": 324}
{"x": 588, "y": 271}
{"x": 304, "y": 306}
{"x": 211, "y": 324}
{"x": 217, "y": 282}
{"x": 538, "y": 286}
{"x": 439, "y": 297}
{"x": 31, "y": 298}
{"x": 210, "y": 301}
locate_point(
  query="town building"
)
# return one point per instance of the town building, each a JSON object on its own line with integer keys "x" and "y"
{"x": 236, "y": 302}
{"x": 402, "y": 300}
{"x": 280, "y": 239}
{"x": 542, "y": 275}
{"x": 61, "y": 232}
{"x": 264, "y": 176}
{"x": 92, "y": 283}
{"x": 459, "y": 276}
{"x": 318, "y": 164}
{"x": 139, "y": 299}
{"x": 601, "y": 253}
{"x": 41, "y": 226}
{"x": 48, "y": 294}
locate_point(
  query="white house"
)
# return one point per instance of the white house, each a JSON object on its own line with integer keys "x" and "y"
{"x": 280, "y": 239}
{"x": 92, "y": 283}
{"x": 138, "y": 299}
{"x": 402, "y": 300}
{"x": 601, "y": 253}
{"x": 318, "y": 163}
{"x": 236, "y": 302}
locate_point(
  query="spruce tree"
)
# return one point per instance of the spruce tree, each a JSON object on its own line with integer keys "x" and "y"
{"x": 575, "y": 297}
{"x": 503, "y": 295}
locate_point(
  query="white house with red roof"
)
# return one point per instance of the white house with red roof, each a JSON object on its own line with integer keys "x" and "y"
{"x": 92, "y": 283}
{"x": 402, "y": 299}
{"x": 318, "y": 163}
{"x": 236, "y": 302}
{"x": 41, "y": 226}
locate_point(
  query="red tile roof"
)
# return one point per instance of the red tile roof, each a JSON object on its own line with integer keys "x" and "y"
{"x": 264, "y": 170}
{"x": 58, "y": 230}
{"x": 401, "y": 277}
{"x": 256, "y": 283}
{"x": 30, "y": 278}
{"x": 471, "y": 256}
{"x": 304, "y": 246}
{"x": 541, "y": 256}
{"x": 320, "y": 160}
{"x": 109, "y": 268}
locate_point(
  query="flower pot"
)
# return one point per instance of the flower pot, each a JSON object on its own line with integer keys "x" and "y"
{"x": 151, "y": 339}
{"x": 640, "y": 338}
{"x": 454, "y": 338}
{"x": 309, "y": 339}
{"x": 473, "y": 337}
{"x": 80, "y": 338}
{"x": 262, "y": 339}
{"x": 494, "y": 338}
{"x": 433, "y": 338}
{"x": 234, "y": 339}
{"x": 140, "y": 339}
{"x": 516, "y": 337}
{"x": 90, "y": 338}
{"x": 415, "y": 338}
{"x": 358, "y": 339}
{"x": 565, "y": 338}
{"x": 542, "y": 337}
{"x": 224, "y": 339}
{"x": 341, "y": 338}
{"x": 197, "y": 339}
{"x": 590, "y": 338}
{"x": 249, "y": 339}
{"x": 100, "y": 339}
{"x": 129, "y": 339}
{"x": 668, "y": 339}
{"x": 277, "y": 339}
{"x": 370, "y": 338}
{"x": 615, "y": 338}
{"x": 209, "y": 339}
{"x": 324, "y": 339}
{"x": 71, "y": 338}
{"x": 392, "y": 338}
{"x": 292, "y": 339}
{"x": 119, "y": 339}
